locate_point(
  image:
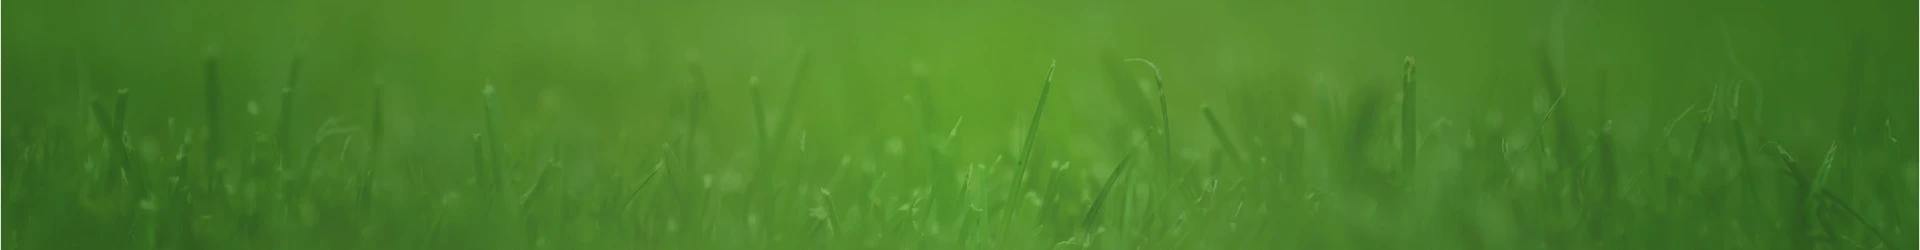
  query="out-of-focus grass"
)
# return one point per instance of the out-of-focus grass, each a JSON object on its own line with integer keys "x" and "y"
{"x": 642, "y": 125}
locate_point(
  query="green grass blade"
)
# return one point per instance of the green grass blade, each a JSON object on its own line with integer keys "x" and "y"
{"x": 1220, "y": 133}
{"x": 1407, "y": 115}
{"x": 1100, "y": 200}
{"x": 1026, "y": 154}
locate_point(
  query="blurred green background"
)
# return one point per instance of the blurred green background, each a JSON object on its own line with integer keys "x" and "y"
{"x": 1637, "y": 124}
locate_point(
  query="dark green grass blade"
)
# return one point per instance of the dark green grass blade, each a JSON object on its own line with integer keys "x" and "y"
{"x": 212, "y": 75}
{"x": 1220, "y": 132}
{"x": 635, "y": 195}
{"x": 284, "y": 134}
{"x": 1101, "y": 200}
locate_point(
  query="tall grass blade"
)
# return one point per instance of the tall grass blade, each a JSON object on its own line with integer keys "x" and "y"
{"x": 1407, "y": 116}
{"x": 1026, "y": 154}
{"x": 212, "y": 75}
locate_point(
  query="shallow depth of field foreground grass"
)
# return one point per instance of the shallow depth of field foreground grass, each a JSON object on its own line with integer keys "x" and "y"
{"x": 1289, "y": 124}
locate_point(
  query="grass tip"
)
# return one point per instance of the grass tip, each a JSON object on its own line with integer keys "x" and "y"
{"x": 956, "y": 127}
{"x": 1156, "y": 67}
{"x": 1050, "y": 66}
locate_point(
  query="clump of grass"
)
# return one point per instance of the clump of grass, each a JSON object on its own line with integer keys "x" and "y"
{"x": 118, "y": 139}
{"x": 181, "y": 193}
{"x": 1790, "y": 167}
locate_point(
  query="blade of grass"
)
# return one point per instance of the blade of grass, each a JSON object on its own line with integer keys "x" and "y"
{"x": 284, "y": 134}
{"x": 1166, "y": 122}
{"x": 539, "y": 184}
{"x": 1100, "y": 200}
{"x": 375, "y": 148}
{"x": 1025, "y": 160}
{"x": 212, "y": 75}
{"x": 1820, "y": 178}
{"x": 1220, "y": 133}
{"x": 643, "y": 185}
{"x": 493, "y": 139}
{"x": 1407, "y": 116}
{"x": 759, "y": 118}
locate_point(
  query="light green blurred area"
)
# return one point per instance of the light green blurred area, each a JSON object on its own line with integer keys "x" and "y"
{"x": 603, "y": 88}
